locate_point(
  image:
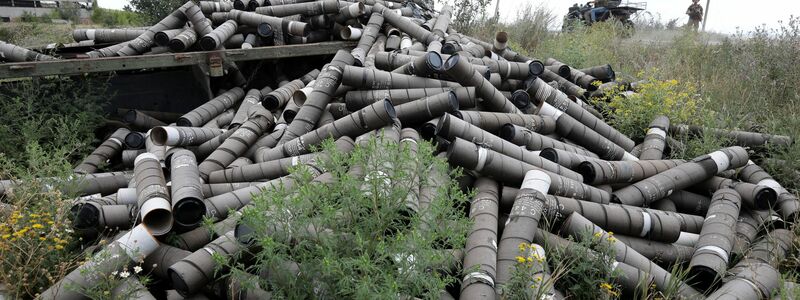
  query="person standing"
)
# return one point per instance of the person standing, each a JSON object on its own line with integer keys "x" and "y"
{"x": 695, "y": 12}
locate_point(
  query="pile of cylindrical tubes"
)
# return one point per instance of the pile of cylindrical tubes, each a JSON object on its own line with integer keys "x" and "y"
{"x": 545, "y": 166}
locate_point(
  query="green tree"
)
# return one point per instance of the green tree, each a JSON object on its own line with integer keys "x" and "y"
{"x": 155, "y": 10}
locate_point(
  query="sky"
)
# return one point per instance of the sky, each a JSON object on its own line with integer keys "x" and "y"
{"x": 725, "y": 16}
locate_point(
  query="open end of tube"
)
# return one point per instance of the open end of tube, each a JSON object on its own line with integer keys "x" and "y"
{"x": 535, "y": 68}
{"x": 701, "y": 277}
{"x": 507, "y": 131}
{"x": 443, "y": 125}
{"x": 451, "y": 62}
{"x": 453, "y": 101}
{"x": 434, "y": 60}
{"x": 387, "y": 104}
{"x": 270, "y": 102}
{"x": 159, "y": 221}
{"x": 189, "y": 212}
{"x": 243, "y": 234}
{"x": 208, "y": 43}
{"x": 129, "y": 116}
{"x": 585, "y": 169}
{"x": 134, "y": 140}
{"x": 611, "y": 74}
{"x": 264, "y": 30}
{"x": 176, "y": 45}
{"x": 289, "y": 115}
{"x": 549, "y": 154}
{"x": 521, "y": 99}
{"x": 161, "y": 38}
{"x": 183, "y": 122}
{"x": 159, "y": 135}
{"x": 88, "y": 216}
{"x": 564, "y": 71}
{"x": 766, "y": 198}
{"x": 427, "y": 131}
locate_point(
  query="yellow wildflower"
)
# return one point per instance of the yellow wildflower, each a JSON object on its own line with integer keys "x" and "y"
{"x": 522, "y": 247}
{"x": 6, "y": 236}
{"x": 34, "y": 215}
{"x": 520, "y": 259}
{"x": 59, "y": 247}
{"x": 37, "y": 226}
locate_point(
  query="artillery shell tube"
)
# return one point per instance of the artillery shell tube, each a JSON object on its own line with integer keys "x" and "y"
{"x": 423, "y": 66}
{"x": 493, "y": 122}
{"x": 326, "y": 83}
{"x": 107, "y": 150}
{"x": 604, "y": 172}
{"x": 741, "y": 138}
{"x": 99, "y": 35}
{"x": 624, "y": 220}
{"x": 773, "y": 247}
{"x": 788, "y": 205}
{"x": 602, "y": 72}
{"x": 253, "y": 97}
{"x": 131, "y": 247}
{"x": 663, "y": 184}
{"x": 404, "y": 24}
{"x": 14, "y": 53}
{"x": 654, "y": 141}
{"x": 567, "y": 159}
{"x": 512, "y": 171}
{"x": 104, "y": 217}
{"x": 141, "y": 120}
{"x": 368, "y": 37}
{"x": 450, "y": 127}
{"x": 356, "y": 100}
{"x": 152, "y": 195}
{"x": 749, "y": 279}
{"x": 187, "y": 193}
{"x": 162, "y": 38}
{"x": 577, "y": 226}
{"x": 712, "y": 254}
{"x": 757, "y": 197}
{"x": 464, "y": 72}
{"x": 442, "y": 22}
{"x": 541, "y": 91}
{"x": 208, "y": 7}
{"x": 369, "y": 118}
{"x": 183, "y": 136}
{"x": 305, "y": 9}
{"x": 204, "y": 113}
{"x": 176, "y": 19}
{"x": 236, "y": 144}
{"x": 522, "y": 224}
{"x": 195, "y": 271}
{"x": 158, "y": 262}
{"x": 416, "y": 112}
{"x": 534, "y": 141}
{"x": 376, "y": 79}
{"x": 279, "y": 97}
{"x": 659, "y": 252}
{"x": 275, "y": 168}
{"x": 480, "y": 252}
{"x": 218, "y": 37}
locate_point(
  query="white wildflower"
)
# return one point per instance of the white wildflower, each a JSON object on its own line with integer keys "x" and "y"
{"x": 137, "y": 269}
{"x": 124, "y": 274}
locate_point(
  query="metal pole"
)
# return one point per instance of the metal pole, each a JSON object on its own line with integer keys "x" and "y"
{"x": 705, "y": 15}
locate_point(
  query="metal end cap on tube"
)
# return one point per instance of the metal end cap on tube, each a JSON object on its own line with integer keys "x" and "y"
{"x": 265, "y": 30}
{"x": 507, "y": 131}
{"x": 189, "y": 212}
{"x": 536, "y": 180}
{"x": 551, "y": 155}
{"x": 434, "y": 60}
{"x": 208, "y": 43}
{"x": 134, "y": 140}
{"x": 521, "y": 99}
{"x": 157, "y": 216}
{"x": 86, "y": 216}
{"x": 451, "y": 96}
{"x": 535, "y": 68}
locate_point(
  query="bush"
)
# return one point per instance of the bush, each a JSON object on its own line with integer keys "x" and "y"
{"x": 116, "y": 18}
{"x": 155, "y": 10}
{"x": 55, "y": 115}
{"x": 355, "y": 237}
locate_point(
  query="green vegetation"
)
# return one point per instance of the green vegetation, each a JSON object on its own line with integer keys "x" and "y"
{"x": 355, "y": 238}
{"x": 117, "y": 18}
